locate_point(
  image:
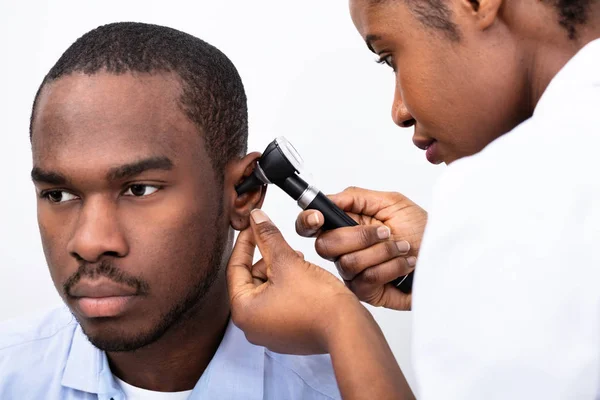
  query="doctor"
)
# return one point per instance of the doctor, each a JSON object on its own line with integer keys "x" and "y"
{"x": 506, "y": 298}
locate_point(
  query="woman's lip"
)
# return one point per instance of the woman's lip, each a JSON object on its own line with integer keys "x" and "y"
{"x": 97, "y": 307}
{"x": 432, "y": 153}
{"x": 422, "y": 143}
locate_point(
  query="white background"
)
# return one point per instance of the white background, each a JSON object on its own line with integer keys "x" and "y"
{"x": 308, "y": 76}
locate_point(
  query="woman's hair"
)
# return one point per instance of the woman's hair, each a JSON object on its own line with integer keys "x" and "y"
{"x": 436, "y": 14}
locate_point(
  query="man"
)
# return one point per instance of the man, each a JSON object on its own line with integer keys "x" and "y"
{"x": 506, "y": 300}
{"x": 138, "y": 138}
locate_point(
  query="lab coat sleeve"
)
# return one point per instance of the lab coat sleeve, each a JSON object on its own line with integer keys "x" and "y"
{"x": 507, "y": 289}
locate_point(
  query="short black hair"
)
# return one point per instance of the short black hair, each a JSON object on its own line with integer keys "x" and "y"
{"x": 436, "y": 14}
{"x": 213, "y": 95}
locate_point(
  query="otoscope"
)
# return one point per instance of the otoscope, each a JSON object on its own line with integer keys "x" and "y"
{"x": 280, "y": 164}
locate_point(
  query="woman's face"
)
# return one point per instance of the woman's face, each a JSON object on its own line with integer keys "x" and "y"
{"x": 459, "y": 90}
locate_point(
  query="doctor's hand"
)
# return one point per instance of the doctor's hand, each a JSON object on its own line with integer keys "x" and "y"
{"x": 383, "y": 247}
{"x": 283, "y": 302}
{"x": 291, "y": 306}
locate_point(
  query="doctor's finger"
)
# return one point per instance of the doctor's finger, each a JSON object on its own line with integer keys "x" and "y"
{"x": 366, "y": 202}
{"x": 352, "y": 264}
{"x": 384, "y": 273}
{"x": 309, "y": 223}
{"x": 333, "y": 244}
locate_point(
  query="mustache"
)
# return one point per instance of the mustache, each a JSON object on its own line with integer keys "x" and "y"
{"x": 104, "y": 269}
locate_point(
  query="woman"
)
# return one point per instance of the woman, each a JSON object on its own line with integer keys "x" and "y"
{"x": 506, "y": 303}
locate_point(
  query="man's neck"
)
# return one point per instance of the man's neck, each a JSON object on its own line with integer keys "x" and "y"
{"x": 178, "y": 359}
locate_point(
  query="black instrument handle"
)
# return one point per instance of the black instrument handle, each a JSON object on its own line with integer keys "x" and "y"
{"x": 336, "y": 218}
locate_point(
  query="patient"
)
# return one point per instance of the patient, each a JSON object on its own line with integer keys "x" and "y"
{"x": 139, "y": 135}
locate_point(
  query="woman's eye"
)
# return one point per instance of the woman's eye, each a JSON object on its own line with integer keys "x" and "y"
{"x": 387, "y": 60}
{"x": 140, "y": 190}
{"x": 58, "y": 196}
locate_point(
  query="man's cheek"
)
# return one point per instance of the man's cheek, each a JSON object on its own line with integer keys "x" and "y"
{"x": 60, "y": 263}
{"x": 59, "y": 276}
{"x": 48, "y": 247}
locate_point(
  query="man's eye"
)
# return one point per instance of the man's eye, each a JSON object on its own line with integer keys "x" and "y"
{"x": 58, "y": 196}
{"x": 141, "y": 190}
{"x": 387, "y": 60}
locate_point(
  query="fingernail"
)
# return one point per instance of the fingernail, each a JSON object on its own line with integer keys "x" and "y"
{"x": 314, "y": 219}
{"x": 259, "y": 216}
{"x": 403, "y": 246}
{"x": 383, "y": 232}
{"x": 412, "y": 261}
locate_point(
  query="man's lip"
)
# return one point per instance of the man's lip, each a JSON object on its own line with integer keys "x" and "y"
{"x": 104, "y": 307}
{"x": 101, "y": 287}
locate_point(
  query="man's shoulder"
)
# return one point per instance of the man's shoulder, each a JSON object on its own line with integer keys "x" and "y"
{"x": 34, "y": 349}
{"x": 259, "y": 373}
{"x": 38, "y": 330}
{"x": 35, "y": 343}
{"x": 315, "y": 372}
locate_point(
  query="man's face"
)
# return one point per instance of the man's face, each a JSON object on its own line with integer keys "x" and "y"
{"x": 131, "y": 214}
{"x": 459, "y": 94}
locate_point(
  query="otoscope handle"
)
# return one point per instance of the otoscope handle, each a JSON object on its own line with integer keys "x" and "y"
{"x": 336, "y": 218}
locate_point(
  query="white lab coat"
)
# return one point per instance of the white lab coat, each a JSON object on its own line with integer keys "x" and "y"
{"x": 507, "y": 289}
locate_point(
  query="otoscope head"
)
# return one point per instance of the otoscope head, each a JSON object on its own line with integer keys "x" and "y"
{"x": 278, "y": 162}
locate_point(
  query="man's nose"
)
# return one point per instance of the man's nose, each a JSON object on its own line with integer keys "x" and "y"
{"x": 400, "y": 113}
{"x": 98, "y": 232}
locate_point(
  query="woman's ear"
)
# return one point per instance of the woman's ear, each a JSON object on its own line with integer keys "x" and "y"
{"x": 242, "y": 205}
{"x": 485, "y": 12}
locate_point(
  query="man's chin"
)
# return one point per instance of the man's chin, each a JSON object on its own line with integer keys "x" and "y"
{"x": 116, "y": 338}
{"x": 119, "y": 334}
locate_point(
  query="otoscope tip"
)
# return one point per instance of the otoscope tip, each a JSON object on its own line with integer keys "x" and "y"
{"x": 249, "y": 184}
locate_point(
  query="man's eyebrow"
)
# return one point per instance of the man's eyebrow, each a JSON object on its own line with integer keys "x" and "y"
{"x": 370, "y": 39}
{"x": 136, "y": 168}
{"x": 38, "y": 175}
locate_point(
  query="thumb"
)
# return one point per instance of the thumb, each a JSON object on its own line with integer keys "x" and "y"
{"x": 269, "y": 239}
{"x": 239, "y": 268}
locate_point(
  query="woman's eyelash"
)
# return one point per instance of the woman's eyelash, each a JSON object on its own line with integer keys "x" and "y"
{"x": 385, "y": 59}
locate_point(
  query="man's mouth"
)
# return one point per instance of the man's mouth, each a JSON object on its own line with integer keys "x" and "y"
{"x": 102, "y": 298}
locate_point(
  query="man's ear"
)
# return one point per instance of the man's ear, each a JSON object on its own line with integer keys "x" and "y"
{"x": 242, "y": 205}
{"x": 485, "y": 11}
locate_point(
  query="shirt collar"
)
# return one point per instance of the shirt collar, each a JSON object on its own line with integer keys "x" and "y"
{"x": 87, "y": 369}
{"x": 579, "y": 73}
{"x": 236, "y": 371}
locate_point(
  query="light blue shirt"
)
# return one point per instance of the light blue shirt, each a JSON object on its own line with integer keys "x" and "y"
{"x": 49, "y": 357}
